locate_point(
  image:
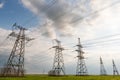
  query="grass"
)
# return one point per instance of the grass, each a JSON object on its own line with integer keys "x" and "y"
{"x": 45, "y": 77}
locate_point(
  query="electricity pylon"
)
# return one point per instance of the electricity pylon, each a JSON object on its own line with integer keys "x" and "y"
{"x": 102, "y": 68}
{"x": 15, "y": 63}
{"x": 58, "y": 64}
{"x": 81, "y": 66}
{"x": 115, "y": 71}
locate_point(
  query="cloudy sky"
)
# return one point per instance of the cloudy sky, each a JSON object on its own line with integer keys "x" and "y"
{"x": 66, "y": 20}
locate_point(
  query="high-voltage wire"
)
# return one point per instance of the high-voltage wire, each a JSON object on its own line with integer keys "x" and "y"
{"x": 97, "y": 11}
{"x": 102, "y": 41}
{"x": 103, "y": 37}
{"x": 75, "y": 7}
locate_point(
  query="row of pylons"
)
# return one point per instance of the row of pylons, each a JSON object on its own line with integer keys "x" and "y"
{"x": 81, "y": 69}
{"x": 103, "y": 70}
{"x": 15, "y": 63}
{"x": 58, "y": 65}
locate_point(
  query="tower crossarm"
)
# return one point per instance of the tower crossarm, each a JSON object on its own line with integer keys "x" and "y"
{"x": 13, "y": 34}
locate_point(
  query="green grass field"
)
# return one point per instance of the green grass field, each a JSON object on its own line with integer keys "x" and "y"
{"x": 44, "y": 77}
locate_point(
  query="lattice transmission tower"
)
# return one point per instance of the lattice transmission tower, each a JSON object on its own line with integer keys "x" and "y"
{"x": 102, "y": 68}
{"x": 15, "y": 63}
{"x": 115, "y": 71}
{"x": 58, "y": 68}
{"x": 81, "y": 66}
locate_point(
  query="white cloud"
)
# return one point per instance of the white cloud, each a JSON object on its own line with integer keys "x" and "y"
{"x": 106, "y": 23}
{"x": 59, "y": 14}
{"x": 1, "y": 5}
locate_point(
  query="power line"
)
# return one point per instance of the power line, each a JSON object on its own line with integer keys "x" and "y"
{"x": 105, "y": 41}
{"x": 97, "y": 11}
{"x": 98, "y": 40}
{"x": 44, "y": 58}
{"x": 89, "y": 14}
{"x": 85, "y": 16}
{"x": 104, "y": 37}
{"x": 100, "y": 43}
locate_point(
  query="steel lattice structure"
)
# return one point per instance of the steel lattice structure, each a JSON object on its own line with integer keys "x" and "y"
{"x": 115, "y": 71}
{"x": 58, "y": 64}
{"x": 81, "y": 66}
{"x": 15, "y": 63}
{"x": 102, "y": 68}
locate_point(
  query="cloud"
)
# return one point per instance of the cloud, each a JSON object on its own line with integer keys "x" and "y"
{"x": 58, "y": 17}
{"x": 58, "y": 14}
{"x": 37, "y": 55}
{"x": 56, "y": 20}
{"x": 1, "y": 5}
